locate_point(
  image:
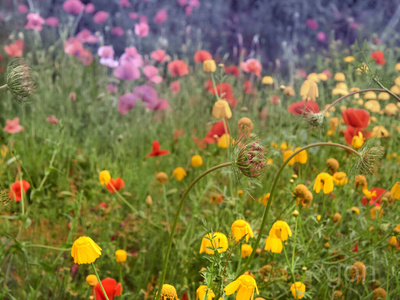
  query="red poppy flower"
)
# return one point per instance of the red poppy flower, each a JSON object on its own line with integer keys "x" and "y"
{"x": 379, "y": 57}
{"x": 376, "y": 194}
{"x": 358, "y": 118}
{"x": 351, "y": 131}
{"x": 248, "y": 87}
{"x": 224, "y": 91}
{"x": 232, "y": 70}
{"x": 355, "y": 249}
{"x": 178, "y": 68}
{"x": 178, "y": 133}
{"x": 303, "y": 107}
{"x": 185, "y": 296}
{"x": 202, "y": 55}
{"x": 115, "y": 185}
{"x": 16, "y": 189}
{"x": 111, "y": 288}
{"x": 216, "y": 130}
{"x": 156, "y": 151}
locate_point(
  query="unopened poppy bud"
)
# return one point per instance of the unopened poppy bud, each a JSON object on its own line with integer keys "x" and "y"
{"x": 295, "y": 213}
{"x": 149, "y": 200}
{"x": 209, "y": 66}
{"x": 18, "y": 80}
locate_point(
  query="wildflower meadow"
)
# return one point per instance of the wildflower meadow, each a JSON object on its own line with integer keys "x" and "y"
{"x": 199, "y": 149}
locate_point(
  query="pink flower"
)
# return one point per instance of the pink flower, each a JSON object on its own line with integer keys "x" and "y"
{"x": 151, "y": 74}
{"x": 22, "y": 9}
{"x": 124, "y": 3}
{"x": 188, "y": 11}
{"x": 112, "y": 89}
{"x": 73, "y": 6}
{"x": 311, "y": 23}
{"x": 251, "y": 66}
{"x": 35, "y": 22}
{"x": 117, "y": 31}
{"x": 161, "y": 16}
{"x": 86, "y": 37}
{"x": 321, "y": 36}
{"x": 142, "y": 29}
{"x": 127, "y": 71}
{"x": 175, "y": 87}
{"x": 182, "y": 2}
{"x": 133, "y": 16}
{"x": 159, "y": 55}
{"x": 13, "y": 126}
{"x": 100, "y": 17}
{"x": 194, "y": 3}
{"x": 106, "y": 54}
{"x": 15, "y": 49}
{"x": 131, "y": 55}
{"x": 52, "y": 120}
{"x": 89, "y": 8}
{"x": 178, "y": 68}
{"x": 143, "y": 19}
{"x": 52, "y": 22}
{"x": 327, "y": 73}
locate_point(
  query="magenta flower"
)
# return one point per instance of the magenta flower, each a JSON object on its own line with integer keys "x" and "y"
{"x": 73, "y": 7}
{"x": 124, "y": 3}
{"x": 188, "y": 11}
{"x": 159, "y": 55}
{"x": 133, "y": 16}
{"x": 126, "y": 102}
{"x": 182, "y": 2}
{"x": 311, "y": 23}
{"x": 89, "y": 8}
{"x": 151, "y": 74}
{"x": 175, "y": 87}
{"x": 52, "y": 22}
{"x": 112, "y": 89}
{"x": 127, "y": 71}
{"x": 52, "y": 120}
{"x": 131, "y": 55}
{"x": 117, "y": 31}
{"x": 321, "y": 36}
{"x": 161, "y": 16}
{"x": 142, "y": 29}
{"x": 22, "y": 9}
{"x": 252, "y": 66}
{"x": 86, "y": 37}
{"x": 35, "y": 22}
{"x": 106, "y": 54}
{"x": 100, "y": 17}
{"x": 13, "y": 126}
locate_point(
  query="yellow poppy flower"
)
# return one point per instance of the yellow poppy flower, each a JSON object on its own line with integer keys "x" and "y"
{"x": 120, "y": 256}
{"x": 91, "y": 280}
{"x": 179, "y": 173}
{"x": 197, "y": 161}
{"x": 221, "y": 110}
{"x": 104, "y": 177}
{"x": 379, "y": 132}
{"x": 202, "y": 291}
{"x": 215, "y": 240}
{"x": 339, "y": 77}
{"x": 286, "y": 155}
{"x": 301, "y": 158}
{"x": 168, "y": 292}
{"x": 357, "y": 141}
{"x": 246, "y": 250}
{"x": 313, "y": 77}
{"x": 209, "y": 66}
{"x": 323, "y": 182}
{"x": 369, "y": 95}
{"x": 298, "y": 289}
{"x": 240, "y": 229}
{"x": 372, "y": 106}
{"x": 223, "y": 141}
{"x": 395, "y": 191}
{"x": 244, "y": 285}
{"x": 309, "y": 90}
{"x": 85, "y": 251}
{"x": 340, "y": 178}
{"x": 279, "y": 232}
{"x": 383, "y": 96}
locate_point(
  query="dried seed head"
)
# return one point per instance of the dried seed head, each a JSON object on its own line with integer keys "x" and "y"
{"x": 18, "y": 80}
{"x": 333, "y": 165}
{"x": 315, "y": 120}
{"x": 370, "y": 154}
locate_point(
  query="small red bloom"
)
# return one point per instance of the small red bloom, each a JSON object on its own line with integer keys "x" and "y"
{"x": 111, "y": 288}
{"x": 115, "y": 185}
{"x": 217, "y": 130}
{"x": 185, "y": 296}
{"x": 379, "y": 57}
{"x": 16, "y": 189}
{"x": 302, "y": 107}
{"x": 356, "y": 117}
{"x": 248, "y": 87}
{"x": 355, "y": 249}
{"x": 232, "y": 70}
{"x": 351, "y": 132}
{"x": 156, "y": 151}
{"x": 224, "y": 91}
{"x": 376, "y": 194}
{"x": 202, "y": 55}
{"x": 178, "y": 68}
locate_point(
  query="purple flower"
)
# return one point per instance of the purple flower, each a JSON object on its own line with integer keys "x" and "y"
{"x": 126, "y": 102}
{"x": 311, "y": 23}
{"x": 131, "y": 55}
{"x": 127, "y": 71}
{"x": 117, "y": 31}
{"x": 321, "y": 36}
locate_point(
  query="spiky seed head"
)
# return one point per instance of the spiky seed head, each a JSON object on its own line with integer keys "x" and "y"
{"x": 18, "y": 80}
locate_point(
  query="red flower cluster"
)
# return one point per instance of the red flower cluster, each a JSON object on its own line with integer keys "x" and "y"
{"x": 232, "y": 70}
{"x": 16, "y": 189}
{"x": 357, "y": 121}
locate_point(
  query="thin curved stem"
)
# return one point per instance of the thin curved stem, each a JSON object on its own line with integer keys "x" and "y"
{"x": 48, "y": 247}
{"x": 180, "y": 206}
{"x": 273, "y": 189}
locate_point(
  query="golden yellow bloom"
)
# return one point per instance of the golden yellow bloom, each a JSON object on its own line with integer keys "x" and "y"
{"x": 348, "y": 59}
{"x": 374, "y": 211}
{"x": 397, "y": 67}
{"x": 323, "y": 182}
{"x": 368, "y": 193}
{"x": 369, "y": 95}
{"x": 360, "y": 181}
{"x": 244, "y": 285}
{"x": 355, "y": 210}
{"x": 298, "y": 289}
{"x": 391, "y": 109}
{"x": 279, "y": 232}
{"x": 319, "y": 217}
{"x": 245, "y": 126}
{"x": 215, "y": 240}
{"x": 339, "y": 77}
{"x": 104, "y": 177}
{"x": 120, "y": 256}
{"x": 240, "y": 193}
{"x": 327, "y": 245}
{"x": 284, "y": 146}
{"x": 333, "y": 165}
{"x": 149, "y": 200}
{"x": 337, "y": 217}
{"x": 209, "y": 66}
{"x": 240, "y": 229}
{"x": 202, "y": 291}
{"x": 358, "y": 272}
{"x": 91, "y": 280}
{"x": 358, "y": 140}
{"x": 340, "y": 92}
{"x": 340, "y": 178}
{"x": 179, "y": 173}
{"x": 395, "y": 90}
{"x": 322, "y": 77}
{"x": 162, "y": 177}
{"x": 301, "y": 158}
{"x": 289, "y": 91}
{"x": 223, "y": 141}
{"x": 393, "y": 241}
{"x": 286, "y": 155}
{"x": 342, "y": 86}
{"x": 373, "y": 106}
{"x": 85, "y": 250}
{"x": 267, "y": 80}
{"x": 221, "y": 110}
{"x": 168, "y": 292}
{"x": 379, "y": 132}
{"x": 383, "y": 96}
{"x": 396, "y": 229}
{"x": 274, "y": 145}
{"x": 246, "y": 250}
{"x": 395, "y": 191}
{"x": 313, "y": 77}
{"x": 264, "y": 199}
{"x": 309, "y": 90}
{"x": 197, "y": 161}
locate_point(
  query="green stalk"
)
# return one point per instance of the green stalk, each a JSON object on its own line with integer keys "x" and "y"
{"x": 98, "y": 279}
{"x": 171, "y": 236}
{"x": 3, "y": 87}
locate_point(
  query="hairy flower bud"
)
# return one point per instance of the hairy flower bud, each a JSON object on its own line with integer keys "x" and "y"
{"x": 251, "y": 159}
{"x": 18, "y": 80}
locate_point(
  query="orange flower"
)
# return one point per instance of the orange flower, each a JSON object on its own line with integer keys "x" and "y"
{"x": 201, "y": 56}
{"x": 115, "y": 184}
{"x": 178, "y": 68}
{"x": 16, "y": 189}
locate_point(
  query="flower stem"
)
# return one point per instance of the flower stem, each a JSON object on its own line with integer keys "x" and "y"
{"x": 272, "y": 193}
{"x": 3, "y": 87}
{"x": 98, "y": 279}
{"x": 180, "y": 206}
